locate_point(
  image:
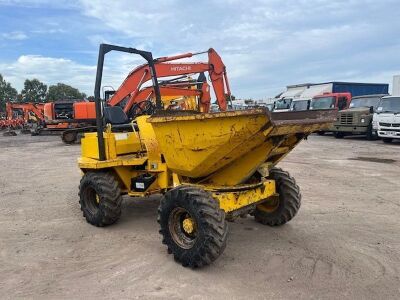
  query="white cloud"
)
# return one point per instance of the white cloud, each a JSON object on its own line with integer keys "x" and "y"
{"x": 14, "y": 35}
{"x": 40, "y": 3}
{"x": 50, "y": 71}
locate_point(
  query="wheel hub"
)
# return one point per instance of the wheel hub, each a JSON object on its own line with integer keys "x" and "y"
{"x": 188, "y": 225}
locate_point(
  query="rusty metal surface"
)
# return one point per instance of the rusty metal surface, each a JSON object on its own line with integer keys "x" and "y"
{"x": 176, "y": 115}
{"x": 309, "y": 121}
{"x": 303, "y": 117}
{"x": 278, "y": 119}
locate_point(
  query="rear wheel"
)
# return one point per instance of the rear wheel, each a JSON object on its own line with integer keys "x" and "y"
{"x": 69, "y": 137}
{"x": 280, "y": 210}
{"x": 192, "y": 226}
{"x": 100, "y": 198}
{"x": 338, "y": 134}
{"x": 387, "y": 140}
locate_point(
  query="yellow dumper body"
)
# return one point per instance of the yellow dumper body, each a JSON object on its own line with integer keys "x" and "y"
{"x": 210, "y": 167}
{"x": 219, "y": 151}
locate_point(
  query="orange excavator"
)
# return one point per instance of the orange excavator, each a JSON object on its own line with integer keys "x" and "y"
{"x": 136, "y": 98}
{"x": 28, "y": 110}
{"x": 65, "y": 114}
{"x": 131, "y": 87}
{"x": 19, "y": 115}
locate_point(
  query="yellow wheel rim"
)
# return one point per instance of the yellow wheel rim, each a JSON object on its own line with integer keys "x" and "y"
{"x": 97, "y": 199}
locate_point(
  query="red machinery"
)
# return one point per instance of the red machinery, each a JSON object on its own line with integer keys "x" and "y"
{"x": 18, "y": 115}
{"x": 27, "y": 111}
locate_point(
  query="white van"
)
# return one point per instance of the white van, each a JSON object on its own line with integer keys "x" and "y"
{"x": 386, "y": 119}
{"x": 282, "y": 104}
{"x": 300, "y": 104}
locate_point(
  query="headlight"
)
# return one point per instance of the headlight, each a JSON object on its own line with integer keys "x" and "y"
{"x": 362, "y": 120}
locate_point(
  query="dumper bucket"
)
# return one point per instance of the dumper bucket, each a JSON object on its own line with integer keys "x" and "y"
{"x": 225, "y": 148}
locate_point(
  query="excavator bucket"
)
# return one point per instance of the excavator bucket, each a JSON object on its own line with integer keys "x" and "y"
{"x": 225, "y": 148}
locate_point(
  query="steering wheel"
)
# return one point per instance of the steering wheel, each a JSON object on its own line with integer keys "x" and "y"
{"x": 141, "y": 108}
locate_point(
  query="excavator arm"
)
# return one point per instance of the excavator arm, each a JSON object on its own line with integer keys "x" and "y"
{"x": 215, "y": 68}
{"x": 26, "y": 108}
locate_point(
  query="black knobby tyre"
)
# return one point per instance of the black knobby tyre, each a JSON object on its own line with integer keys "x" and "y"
{"x": 387, "y": 140}
{"x": 207, "y": 240}
{"x": 100, "y": 198}
{"x": 338, "y": 135}
{"x": 69, "y": 137}
{"x": 283, "y": 209}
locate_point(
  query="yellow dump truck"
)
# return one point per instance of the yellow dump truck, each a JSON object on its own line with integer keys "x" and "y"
{"x": 209, "y": 168}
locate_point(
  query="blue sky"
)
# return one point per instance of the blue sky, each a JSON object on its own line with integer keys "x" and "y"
{"x": 266, "y": 45}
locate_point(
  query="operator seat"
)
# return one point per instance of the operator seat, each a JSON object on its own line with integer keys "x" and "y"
{"x": 116, "y": 116}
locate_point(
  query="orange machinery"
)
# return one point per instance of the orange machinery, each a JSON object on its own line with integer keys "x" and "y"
{"x": 19, "y": 114}
{"x": 61, "y": 115}
{"x": 133, "y": 91}
{"x": 131, "y": 87}
{"x": 24, "y": 111}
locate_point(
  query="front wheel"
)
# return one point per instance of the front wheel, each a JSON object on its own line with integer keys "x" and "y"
{"x": 281, "y": 209}
{"x": 192, "y": 226}
{"x": 100, "y": 198}
{"x": 387, "y": 140}
{"x": 338, "y": 135}
{"x": 69, "y": 137}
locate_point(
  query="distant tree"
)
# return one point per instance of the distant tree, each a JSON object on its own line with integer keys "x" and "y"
{"x": 33, "y": 91}
{"x": 64, "y": 91}
{"x": 90, "y": 98}
{"x": 7, "y": 93}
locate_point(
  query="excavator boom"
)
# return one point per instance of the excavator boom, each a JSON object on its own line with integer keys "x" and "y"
{"x": 134, "y": 81}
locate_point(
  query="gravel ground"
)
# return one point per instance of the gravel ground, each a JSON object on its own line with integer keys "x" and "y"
{"x": 344, "y": 243}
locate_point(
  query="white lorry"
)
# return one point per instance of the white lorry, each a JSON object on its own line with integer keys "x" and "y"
{"x": 386, "y": 119}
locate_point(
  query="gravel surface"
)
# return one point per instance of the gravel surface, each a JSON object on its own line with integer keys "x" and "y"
{"x": 344, "y": 243}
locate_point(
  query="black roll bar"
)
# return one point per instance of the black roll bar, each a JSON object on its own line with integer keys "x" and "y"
{"x": 103, "y": 50}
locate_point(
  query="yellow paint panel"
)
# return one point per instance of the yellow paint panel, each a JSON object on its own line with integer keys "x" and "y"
{"x": 198, "y": 145}
{"x": 231, "y": 201}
